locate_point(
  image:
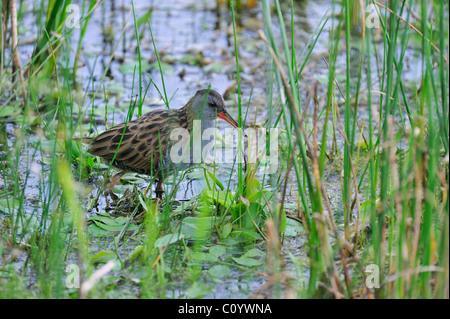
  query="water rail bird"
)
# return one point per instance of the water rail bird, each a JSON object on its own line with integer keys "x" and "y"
{"x": 143, "y": 145}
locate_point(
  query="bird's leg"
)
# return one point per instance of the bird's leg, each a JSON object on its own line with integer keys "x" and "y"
{"x": 114, "y": 180}
{"x": 159, "y": 189}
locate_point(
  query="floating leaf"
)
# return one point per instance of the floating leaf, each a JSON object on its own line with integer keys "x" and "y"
{"x": 9, "y": 205}
{"x": 248, "y": 233}
{"x": 230, "y": 242}
{"x": 248, "y": 262}
{"x": 195, "y": 227}
{"x": 196, "y": 174}
{"x": 202, "y": 257}
{"x": 129, "y": 67}
{"x": 293, "y": 228}
{"x": 164, "y": 67}
{"x": 96, "y": 231}
{"x": 115, "y": 88}
{"x": 133, "y": 178}
{"x": 254, "y": 252}
{"x": 219, "y": 271}
{"x": 217, "y": 250}
{"x": 198, "y": 290}
{"x": 168, "y": 239}
{"x": 216, "y": 67}
{"x": 253, "y": 257}
{"x": 190, "y": 58}
{"x": 106, "y": 225}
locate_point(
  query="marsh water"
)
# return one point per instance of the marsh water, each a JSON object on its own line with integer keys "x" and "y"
{"x": 195, "y": 44}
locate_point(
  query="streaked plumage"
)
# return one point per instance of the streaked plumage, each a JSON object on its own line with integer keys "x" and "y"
{"x": 142, "y": 144}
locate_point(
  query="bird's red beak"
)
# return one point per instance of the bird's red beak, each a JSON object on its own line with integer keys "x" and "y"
{"x": 227, "y": 117}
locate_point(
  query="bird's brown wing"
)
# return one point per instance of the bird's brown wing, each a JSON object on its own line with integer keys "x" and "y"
{"x": 138, "y": 143}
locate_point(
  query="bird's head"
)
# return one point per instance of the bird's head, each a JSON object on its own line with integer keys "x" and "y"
{"x": 209, "y": 105}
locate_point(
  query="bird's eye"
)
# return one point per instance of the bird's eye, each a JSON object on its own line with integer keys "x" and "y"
{"x": 212, "y": 104}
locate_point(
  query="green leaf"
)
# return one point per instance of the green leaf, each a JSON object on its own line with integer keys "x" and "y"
{"x": 9, "y": 111}
{"x": 168, "y": 239}
{"x": 254, "y": 252}
{"x": 246, "y": 233}
{"x": 219, "y": 271}
{"x": 106, "y": 225}
{"x": 195, "y": 227}
{"x": 190, "y": 58}
{"x": 196, "y": 174}
{"x": 197, "y": 290}
{"x": 9, "y": 205}
{"x": 164, "y": 67}
{"x": 121, "y": 188}
{"x": 230, "y": 241}
{"x": 216, "y": 180}
{"x": 103, "y": 256}
{"x": 364, "y": 145}
{"x": 248, "y": 262}
{"x": 202, "y": 257}
{"x": 48, "y": 146}
{"x": 96, "y": 231}
{"x": 253, "y": 257}
{"x": 259, "y": 199}
{"x": 89, "y": 161}
{"x": 226, "y": 230}
{"x": 129, "y": 67}
{"x": 115, "y": 228}
{"x": 146, "y": 16}
{"x": 293, "y": 228}
{"x": 283, "y": 218}
{"x": 216, "y": 67}
{"x": 253, "y": 187}
{"x": 217, "y": 250}
{"x": 223, "y": 198}
{"x": 135, "y": 253}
